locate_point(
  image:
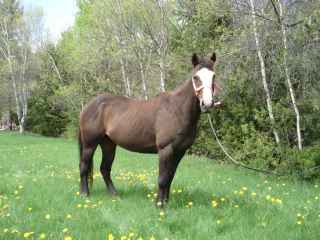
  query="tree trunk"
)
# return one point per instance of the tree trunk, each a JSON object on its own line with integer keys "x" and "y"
{"x": 289, "y": 83}
{"x": 143, "y": 81}
{"x": 163, "y": 44}
{"x": 263, "y": 75}
{"x": 125, "y": 78}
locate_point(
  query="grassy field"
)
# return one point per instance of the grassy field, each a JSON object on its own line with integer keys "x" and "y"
{"x": 39, "y": 198}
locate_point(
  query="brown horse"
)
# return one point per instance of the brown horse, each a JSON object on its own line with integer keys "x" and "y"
{"x": 165, "y": 124}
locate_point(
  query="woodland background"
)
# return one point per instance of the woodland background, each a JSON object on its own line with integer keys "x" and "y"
{"x": 268, "y": 63}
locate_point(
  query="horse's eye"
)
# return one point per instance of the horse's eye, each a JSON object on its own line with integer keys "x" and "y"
{"x": 197, "y": 80}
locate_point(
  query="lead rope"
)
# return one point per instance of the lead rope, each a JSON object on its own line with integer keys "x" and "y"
{"x": 232, "y": 159}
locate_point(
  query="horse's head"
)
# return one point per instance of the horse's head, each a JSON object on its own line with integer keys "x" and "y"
{"x": 203, "y": 80}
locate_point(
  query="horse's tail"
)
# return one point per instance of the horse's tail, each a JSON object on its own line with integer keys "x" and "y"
{"x": 90, "y": 168}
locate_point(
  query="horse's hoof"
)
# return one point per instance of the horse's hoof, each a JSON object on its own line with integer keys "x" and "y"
{"x": 84, "y": 194}
{"x": 160, "y": 204}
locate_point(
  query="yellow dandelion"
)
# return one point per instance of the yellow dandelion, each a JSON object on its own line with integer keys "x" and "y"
{"x": 29, "y": 209}
{"x": 179, "y": 190}
{"x": 190, "y": 204}
{"x": 299, "y": 215}
{"x": 110, "y": 236}
{"x": 253, "y": 194}
{"x": 48, "y": 216}
{"x": 67, "y": 238}
{"x": 222, "y": 199}
{"x": 77, "y": 193}
{"x": 299, "y": 222}
{"x": 16, "y": 192}
{"x": 69, "y": 216}
{"x": 131, "y": 234}
{"x": 214, "y": 203}
{"x": 268, "y": 197}
{"x": 20, "y": 187}
{"x": 244, "y": 188}
{"x": 42, "y": 236}
{"x": 27, "y": 234}
{"x": 279, "y": 201}
{"x": 5, "y": 230}
{"x": 149, "y": 195}
{"x": 218, "y": 221}
{"x": 79, "y": 205}
{"x": 241, "y": 192}
{"x": 65, "y": 230}
{"x": 236, "y": 206}
{"x": 161, "y": 213}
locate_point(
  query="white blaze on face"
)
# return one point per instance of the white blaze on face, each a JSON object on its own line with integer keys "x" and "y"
{"x": 206, "y": 77}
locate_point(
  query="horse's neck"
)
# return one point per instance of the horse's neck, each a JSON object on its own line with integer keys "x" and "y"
{"x": 187, "y": 102}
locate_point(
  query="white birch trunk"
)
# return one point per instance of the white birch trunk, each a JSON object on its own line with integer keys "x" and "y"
{"x": 263, "y": 75}
{"x": 143, "y": 81}
{"x": 162, "y": 44}
{"x": 285, "y": 63}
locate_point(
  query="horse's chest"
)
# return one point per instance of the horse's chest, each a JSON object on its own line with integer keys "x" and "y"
{"x": 184, "y": 138}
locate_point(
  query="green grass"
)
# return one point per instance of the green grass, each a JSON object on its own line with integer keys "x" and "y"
{"x": 42, "y": 174}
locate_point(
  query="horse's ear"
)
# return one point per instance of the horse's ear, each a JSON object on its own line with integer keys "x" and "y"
{"x": 195, "y": 60}
{"x": 213, "y": 57}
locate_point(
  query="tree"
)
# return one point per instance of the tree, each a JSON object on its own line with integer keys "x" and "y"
{"x": 263, "y": 74}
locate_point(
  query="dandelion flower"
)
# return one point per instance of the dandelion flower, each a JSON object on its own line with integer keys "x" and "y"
{"x": 67, "y": 238}
{"x": 218, "y": 221}
{"x": 5, "y": 230}
{"x": 161, "y": 213}
{"x": 110, "y": 236}
{"x": 29, "y": 209}
{"x": 190, "y": 204}
{"x": 69, "y": 216}
{"x": 65, "y": 230}
{"x": 299, "y": 222}
{"x": 214, "y": 203}
{"x": 253, "y": 194}
{"x": 42, "y": 236}
{"x": 48, "y": 216}
{"x": 27, "y": 234}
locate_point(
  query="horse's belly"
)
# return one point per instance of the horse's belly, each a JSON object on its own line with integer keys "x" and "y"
{"x": 133, "y": 140}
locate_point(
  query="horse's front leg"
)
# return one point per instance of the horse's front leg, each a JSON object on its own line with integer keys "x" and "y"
{"x": 168, "y": 163}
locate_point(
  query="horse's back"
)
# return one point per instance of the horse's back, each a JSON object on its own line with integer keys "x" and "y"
{"x": 125, "y": 121}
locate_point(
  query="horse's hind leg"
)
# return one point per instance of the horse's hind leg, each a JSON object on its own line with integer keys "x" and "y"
{"x": 108, "y": 152}
{"x": 85, "y": 167}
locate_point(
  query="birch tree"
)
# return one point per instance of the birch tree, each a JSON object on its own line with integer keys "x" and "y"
{"x": 283, "y": 26}
{"x": 263, "y": 73}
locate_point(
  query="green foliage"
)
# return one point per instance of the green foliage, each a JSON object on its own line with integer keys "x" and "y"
{"x": 47, "y": 112}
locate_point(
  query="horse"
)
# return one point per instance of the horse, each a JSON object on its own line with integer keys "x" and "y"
{"x": 165, "y": 124}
